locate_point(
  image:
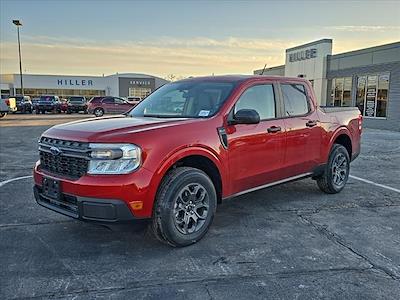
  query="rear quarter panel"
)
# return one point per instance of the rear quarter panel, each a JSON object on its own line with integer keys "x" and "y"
{"x": 335, "y": 124}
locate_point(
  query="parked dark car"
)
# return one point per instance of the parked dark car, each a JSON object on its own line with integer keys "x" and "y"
{"x": 48, "y": 104}
{"x": 35, "y": 102}
{"x": 110, "y": 105}
{"x": 24, "y": 104}
{"x": 77, "y": 104}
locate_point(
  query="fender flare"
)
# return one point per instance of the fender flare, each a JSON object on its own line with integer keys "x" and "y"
{"x": 177, "y": 155}
{"x": 341, "y": 130}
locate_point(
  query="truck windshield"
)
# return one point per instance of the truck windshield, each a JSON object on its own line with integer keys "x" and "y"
{"x": 188, "y": 99}
{"x": 46, "y": 98}
{"x": 76, "y": 99}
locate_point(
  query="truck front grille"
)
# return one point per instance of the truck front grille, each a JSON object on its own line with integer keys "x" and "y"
{"x": 65, "y": 158}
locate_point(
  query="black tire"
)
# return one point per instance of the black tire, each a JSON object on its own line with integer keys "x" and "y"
{"x": 98, "y": 112}
{"x": 334, "y": 178}
{"x": 166, "y": 222}
{"x": 3, "y": 114}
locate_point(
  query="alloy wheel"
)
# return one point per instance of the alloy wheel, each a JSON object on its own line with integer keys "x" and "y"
{"x": 191, "y": 208}
{"x": 339, "y": 170}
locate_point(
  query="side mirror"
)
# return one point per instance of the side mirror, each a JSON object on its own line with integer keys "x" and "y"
{"x": 246, "y": 116}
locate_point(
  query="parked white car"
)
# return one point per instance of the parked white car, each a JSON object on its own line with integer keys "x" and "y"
{"x": 7, "y": 105}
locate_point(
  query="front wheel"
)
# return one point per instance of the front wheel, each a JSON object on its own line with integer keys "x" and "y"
{"x": 185, "y": 207}
{"x": 336, "y": 172}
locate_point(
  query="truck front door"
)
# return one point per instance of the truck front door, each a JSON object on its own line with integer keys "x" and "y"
{"x": 256, "y": 151}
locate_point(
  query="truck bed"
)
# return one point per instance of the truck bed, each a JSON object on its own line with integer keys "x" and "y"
{"x": 332, "y": 109}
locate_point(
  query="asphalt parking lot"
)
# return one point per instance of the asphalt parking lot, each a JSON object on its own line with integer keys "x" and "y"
{"x": 287, "y": 242}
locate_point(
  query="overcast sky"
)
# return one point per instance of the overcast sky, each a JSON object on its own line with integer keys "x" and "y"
{"x": 182, "y": 37}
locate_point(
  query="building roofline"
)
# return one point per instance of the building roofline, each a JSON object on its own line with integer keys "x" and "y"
{"x": 310, "y": 44}
{"x": 271, "y": 68}
{"x": 91, "y": 76}
{"x": 366, "y": 50}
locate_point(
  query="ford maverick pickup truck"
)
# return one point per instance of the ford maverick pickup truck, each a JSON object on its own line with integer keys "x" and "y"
{"x": 191, "y": 144}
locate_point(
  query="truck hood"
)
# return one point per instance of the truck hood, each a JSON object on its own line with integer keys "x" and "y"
{"x": 107, "y": 128}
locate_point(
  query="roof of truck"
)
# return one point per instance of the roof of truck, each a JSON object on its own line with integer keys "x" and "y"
{"x": 240, "y": 78}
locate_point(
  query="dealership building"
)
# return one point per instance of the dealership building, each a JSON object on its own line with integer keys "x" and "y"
{"x": 122, "y": 85}
{"x": 367, "y": 78}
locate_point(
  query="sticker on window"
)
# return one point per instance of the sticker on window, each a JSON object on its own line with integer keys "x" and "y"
{"x": 204, "y": 113}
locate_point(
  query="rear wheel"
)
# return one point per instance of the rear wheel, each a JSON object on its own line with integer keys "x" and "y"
{"x": 336, "y": 171}
{"x": 98, "y": 112}
{"x": 3, "y": 114}
{"x": 185, "y": 207}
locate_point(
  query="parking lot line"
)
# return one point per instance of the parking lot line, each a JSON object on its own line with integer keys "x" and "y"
{"x": 374, "y": 183}
{"x": 14, "y": 179}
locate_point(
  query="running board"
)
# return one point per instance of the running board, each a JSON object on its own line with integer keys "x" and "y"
{"x": 271, "y": 184}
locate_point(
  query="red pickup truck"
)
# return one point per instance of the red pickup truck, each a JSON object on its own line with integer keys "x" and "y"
{"x": 191, "y": 144}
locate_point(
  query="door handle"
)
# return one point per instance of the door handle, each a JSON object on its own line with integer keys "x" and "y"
{"x": 274, "y": 129}
{"x": 311, "y": 123}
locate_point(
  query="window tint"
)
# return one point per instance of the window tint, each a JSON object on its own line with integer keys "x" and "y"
{"x": 185, "y": 99}
{"x": 108, "y": 100}
{"x": 260, "y": 98}
{"x": 119, "y": 101}
{"x": 295, "y": 99}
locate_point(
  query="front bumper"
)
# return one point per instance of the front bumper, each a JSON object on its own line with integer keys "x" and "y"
{"x": 46, "y": 107}
{"x": 115, "y": 193}
{"x": 76, "y": 108}
{"x": 85, "y": 208}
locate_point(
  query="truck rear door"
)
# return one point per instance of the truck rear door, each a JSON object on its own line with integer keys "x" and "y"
{"x": 303, "y": 137}
{"x": 256, "y": 151}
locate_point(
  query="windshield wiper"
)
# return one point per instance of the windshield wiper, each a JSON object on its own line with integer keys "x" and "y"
{"x": 163, "y": 116}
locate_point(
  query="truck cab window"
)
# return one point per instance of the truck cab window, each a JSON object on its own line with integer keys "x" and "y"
{"x": 295, "y": 99}
{"x": 261, "y": 98}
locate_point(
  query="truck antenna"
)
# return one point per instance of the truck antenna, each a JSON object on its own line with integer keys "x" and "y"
{"x": 265, "y": 66}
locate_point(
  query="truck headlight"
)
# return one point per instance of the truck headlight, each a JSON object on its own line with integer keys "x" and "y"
{"x": 114, "y": 158}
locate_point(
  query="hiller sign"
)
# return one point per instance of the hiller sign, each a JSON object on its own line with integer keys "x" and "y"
{"x": 74, "y": 82}
{"x": 303, "y": 55}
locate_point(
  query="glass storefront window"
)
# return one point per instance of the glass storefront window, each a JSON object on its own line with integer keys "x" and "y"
{"x": 61, "y": 92}
{"x": 347, "y": 91}
{"x": 372, "y": 95}
{"x": 341, "y": 91}
{"x": 382, "y": 97}
{"x": 338, "y": 92}
{"x": 139, "y": 92}
{"x": 360, "y": 98}
{"x": 370, "y": 98}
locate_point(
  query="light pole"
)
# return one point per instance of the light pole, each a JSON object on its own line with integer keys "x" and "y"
{"x": 18, "y": 24}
